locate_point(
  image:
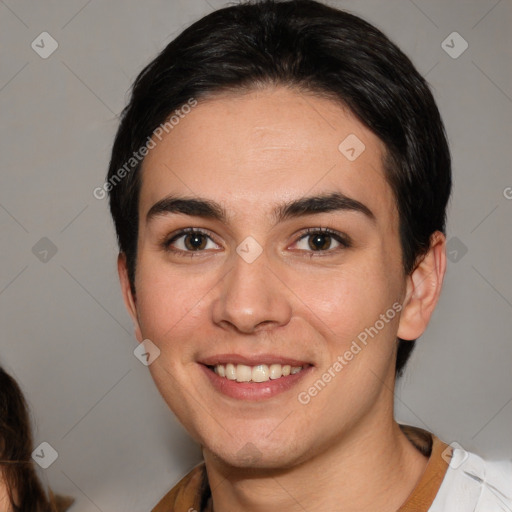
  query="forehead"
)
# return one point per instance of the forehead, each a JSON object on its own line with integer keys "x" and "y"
{"x": 250, "y": 151}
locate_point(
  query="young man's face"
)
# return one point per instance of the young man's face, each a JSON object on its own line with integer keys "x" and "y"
{"x": 303, "y": 301}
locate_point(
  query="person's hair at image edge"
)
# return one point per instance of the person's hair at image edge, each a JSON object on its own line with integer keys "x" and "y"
{"x": 312, "y": 48}
{"x": 17, "y": 472}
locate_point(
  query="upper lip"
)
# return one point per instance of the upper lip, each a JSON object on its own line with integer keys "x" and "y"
{"x": 252, "y": 360}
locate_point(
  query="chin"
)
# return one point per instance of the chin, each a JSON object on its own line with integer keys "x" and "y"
{"x": 256, "y": 454}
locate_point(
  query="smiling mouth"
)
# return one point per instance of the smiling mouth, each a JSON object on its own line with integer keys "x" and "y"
{"x": 258, "y": 373}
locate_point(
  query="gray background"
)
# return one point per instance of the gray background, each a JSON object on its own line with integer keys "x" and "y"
{"x": 64, "y": 332}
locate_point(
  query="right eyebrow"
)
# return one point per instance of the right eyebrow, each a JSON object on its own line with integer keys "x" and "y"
{"x": 187, "y": 206}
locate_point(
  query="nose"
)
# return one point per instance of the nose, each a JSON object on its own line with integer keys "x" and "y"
{"x": 252, "y": 297}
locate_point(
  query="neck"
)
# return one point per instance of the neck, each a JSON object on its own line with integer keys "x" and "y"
{"x": 372, "y": 467}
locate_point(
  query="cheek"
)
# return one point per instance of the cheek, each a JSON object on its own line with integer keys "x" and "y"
{"x": 335, "y": 299}
{"x": 347, "y": 298}
{"x": 168, "y": 301}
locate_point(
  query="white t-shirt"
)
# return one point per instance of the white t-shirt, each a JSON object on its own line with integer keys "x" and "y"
{"x": 472, "y": 484}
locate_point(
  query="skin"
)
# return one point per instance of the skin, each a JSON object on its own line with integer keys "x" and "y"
{"x": 249, "y": 152}
{"x": 5, "y": 502}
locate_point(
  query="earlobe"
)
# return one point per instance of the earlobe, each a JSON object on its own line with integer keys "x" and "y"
{"x": 129, "y": 300}
{"x": 424, "y": 286}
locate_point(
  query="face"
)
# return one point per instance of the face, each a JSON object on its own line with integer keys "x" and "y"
{"x": 288, "y": 255}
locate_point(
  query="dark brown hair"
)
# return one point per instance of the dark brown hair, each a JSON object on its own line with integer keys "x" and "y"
{"x": 25, "y": 491}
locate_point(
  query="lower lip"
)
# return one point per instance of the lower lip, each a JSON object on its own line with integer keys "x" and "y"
{"x": 254, "y": 391}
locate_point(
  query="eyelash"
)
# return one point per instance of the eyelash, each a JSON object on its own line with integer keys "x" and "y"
{"x": 343, "y": 240}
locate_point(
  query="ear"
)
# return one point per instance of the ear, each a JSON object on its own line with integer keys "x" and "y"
{"x": 129, "y": 300}
{"x": 423, "y": 290}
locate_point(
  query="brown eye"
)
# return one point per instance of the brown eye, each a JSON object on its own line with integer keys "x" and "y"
{"x": 190, "y": 241}
{"x": 319, "y": 242}
{"x": 322, "y": 240}
{"x": 195, "y": 241}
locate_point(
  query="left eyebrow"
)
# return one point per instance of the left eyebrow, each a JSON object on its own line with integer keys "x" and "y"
{"x": 201, "y": 207}
{"x": 321, "y": 204}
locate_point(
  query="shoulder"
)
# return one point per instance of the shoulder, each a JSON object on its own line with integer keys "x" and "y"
{"x": 186, "y": 494}
{"x": 474, "y": 484}
{"x": 60, "y": 503}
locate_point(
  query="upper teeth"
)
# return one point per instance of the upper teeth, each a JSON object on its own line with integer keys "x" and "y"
{"x": 258, "y": 373}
